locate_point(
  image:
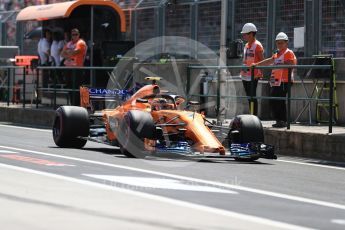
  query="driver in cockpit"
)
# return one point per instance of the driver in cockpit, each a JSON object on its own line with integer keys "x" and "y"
{"x": 160, "y": 104}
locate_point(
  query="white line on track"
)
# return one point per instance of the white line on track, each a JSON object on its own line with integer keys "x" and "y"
{"x": 217, "y": 211}
{"x": 237, "y": 187}
{"x": 338, "y": 221}
{"x": 7, "y": 151}
{"x": 312, "y": 164}
{"x": 26, "y": 128}
{"x": 284, "y": 161}
{"x": 158, "y": 183}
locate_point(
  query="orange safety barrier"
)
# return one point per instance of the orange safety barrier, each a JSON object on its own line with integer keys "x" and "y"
{"x": 25, "y": 60}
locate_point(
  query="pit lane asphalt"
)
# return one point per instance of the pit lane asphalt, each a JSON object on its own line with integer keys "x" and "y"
{"x": 277, "y": 190}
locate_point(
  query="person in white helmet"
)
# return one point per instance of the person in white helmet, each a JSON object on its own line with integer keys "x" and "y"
{"x": 279, "y": 77}
{"x": 253, "y": 52}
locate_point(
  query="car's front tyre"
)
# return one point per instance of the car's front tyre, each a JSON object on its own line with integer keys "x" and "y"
{"x": 70, "y": 123}
{"x": 246, "y": 129}
{"x": 133, "y": 129}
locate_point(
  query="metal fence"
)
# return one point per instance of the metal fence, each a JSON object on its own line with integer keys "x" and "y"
{"x": 320, "y": 21}
{"x": 289, "y": 17}
{"x": 45, "y": 82}
{"x": 288, "y": 98}
{"x": 8, "y": 88}
{"x": 314, "y": 27}
{"x": 254, "y": 11}
{"x": 9, "y": 85}
{"x": 333, "y": 27}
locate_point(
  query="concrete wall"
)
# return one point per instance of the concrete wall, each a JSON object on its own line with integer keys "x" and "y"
{"x": 307, "y": 144}
{"x": 30, "y": 117}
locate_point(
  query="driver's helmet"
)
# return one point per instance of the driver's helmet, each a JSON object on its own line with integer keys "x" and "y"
{"x": 159, "y": 103}
{"x": 163, "y": 103}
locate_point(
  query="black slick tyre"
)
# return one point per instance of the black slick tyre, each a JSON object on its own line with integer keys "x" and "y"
{"x": 133, "y": 129}
{"x": 70, "y": 123}
{"x": 248, "y": 129}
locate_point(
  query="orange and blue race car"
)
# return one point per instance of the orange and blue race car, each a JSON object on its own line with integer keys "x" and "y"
{"x": 151, "y": 121}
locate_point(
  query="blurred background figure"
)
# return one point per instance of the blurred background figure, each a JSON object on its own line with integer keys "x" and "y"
{"x": 66, "y": 37}
{"x": 56, "y": 48}
{"x": 43, "y": 48}
{"x": 75, "y": 50}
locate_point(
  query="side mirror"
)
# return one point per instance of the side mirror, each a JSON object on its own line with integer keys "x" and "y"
{"x": 193, "y": 103}
{"x": 141, "y": 100}
{"x": 193, "y": 106}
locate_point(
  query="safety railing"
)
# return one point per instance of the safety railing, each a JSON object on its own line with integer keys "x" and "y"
{"x": 251, "y": 98}
{"x": 75, "y": 73}
{"x": 12, "y": 75}
{"x": 9, "y": 87}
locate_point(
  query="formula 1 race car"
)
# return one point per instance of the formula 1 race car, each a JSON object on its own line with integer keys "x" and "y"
{"x": 150, "y": 121}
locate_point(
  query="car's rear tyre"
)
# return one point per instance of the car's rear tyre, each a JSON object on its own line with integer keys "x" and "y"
{"x": 133, "y": 129}
{"x": 249, "y": 129}
{"x": 70, "y": 123}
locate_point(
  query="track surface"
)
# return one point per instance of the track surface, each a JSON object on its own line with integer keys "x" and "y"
{"x": 97, "y": 187}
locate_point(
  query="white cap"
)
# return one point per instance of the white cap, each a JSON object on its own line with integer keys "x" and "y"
{"x": 282, "y": 36}
{"x": 248, "y": 27}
